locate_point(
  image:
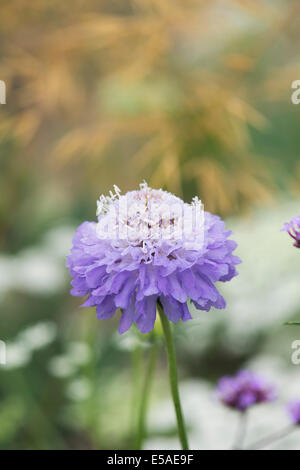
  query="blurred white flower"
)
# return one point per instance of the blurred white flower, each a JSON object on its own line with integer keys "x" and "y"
{"x": 39, "y": 335}
{"x": 36, "y": 271}
{"x": 40, "y": 269}
{"x": 129, "y": 341}
{"x": 79, "y": 389}
{"x": 58, "y": 241}
{"x": 62, "y": 366}
{"x": 78, "y": 353}
{"x": 19, "y": 351}
{"x": 17, "y": 355}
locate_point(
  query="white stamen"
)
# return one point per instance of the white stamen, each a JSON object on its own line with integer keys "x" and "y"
{"x": 144, "y": 217}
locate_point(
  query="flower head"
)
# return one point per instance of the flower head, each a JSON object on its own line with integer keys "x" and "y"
{"x": 294, "y": 411}
{"x": 244, "y": 390}
{"x": 293, "y": 229}
{"x": 149, "y": 245}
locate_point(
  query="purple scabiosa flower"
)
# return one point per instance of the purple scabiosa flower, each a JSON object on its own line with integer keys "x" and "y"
{"x": 293, "y": 409}
{"x": 243, "y": 390}
{"x": 149, "y": 246}
{"x": 293, "y": 229}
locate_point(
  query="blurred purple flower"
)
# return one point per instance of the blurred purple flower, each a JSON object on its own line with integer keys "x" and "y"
{"x": 294, "y": 411}
{"x": 152, "y": 260}
{"x": 293, "y": 229}
{"x": 244, "y": 390}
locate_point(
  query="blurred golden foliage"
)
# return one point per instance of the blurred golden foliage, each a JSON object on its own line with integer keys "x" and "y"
{"x": 115, "y": 91}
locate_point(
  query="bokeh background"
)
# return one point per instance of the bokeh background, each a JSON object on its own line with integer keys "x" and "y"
{"x": 194, "y": 97}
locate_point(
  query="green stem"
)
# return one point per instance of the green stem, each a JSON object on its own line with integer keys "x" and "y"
{"x": 137, "y": 372}
{"x": 145, "y": 395}
{"x": 173, "y": 377}
{"x": 241, "y": 431}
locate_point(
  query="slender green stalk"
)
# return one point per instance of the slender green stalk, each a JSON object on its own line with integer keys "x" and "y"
{"x": 137, "y": 367}
{"x": 173, "y": 377}
{"x": 241, "y": 431}
{"x": 142, "y": 416}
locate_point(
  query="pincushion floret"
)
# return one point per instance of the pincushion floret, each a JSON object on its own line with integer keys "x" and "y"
{"x": 293, "y": 409}
{"x": 148, "y": 246}
{"x": 293, "y": 229}
{"x": 244, "y": 390}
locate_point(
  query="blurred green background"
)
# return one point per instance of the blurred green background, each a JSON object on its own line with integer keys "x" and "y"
{"x": 194, "y": 97}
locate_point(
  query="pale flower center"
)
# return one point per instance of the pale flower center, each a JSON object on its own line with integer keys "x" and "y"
{"x": 147, "y": 216}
